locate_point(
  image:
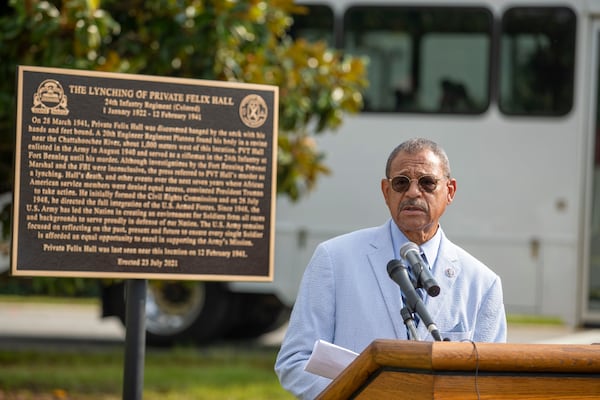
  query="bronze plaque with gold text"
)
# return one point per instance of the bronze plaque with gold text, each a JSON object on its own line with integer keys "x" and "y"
{"x": 131, "y": 176}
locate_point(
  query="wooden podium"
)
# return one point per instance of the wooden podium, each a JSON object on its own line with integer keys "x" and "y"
{"x": 392, "y": 369}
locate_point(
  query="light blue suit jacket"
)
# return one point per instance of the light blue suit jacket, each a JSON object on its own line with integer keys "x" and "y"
{"x": 346, "y": 297}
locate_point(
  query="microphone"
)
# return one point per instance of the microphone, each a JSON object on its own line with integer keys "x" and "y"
{"x": 411, "y": 253}
{"x": 398, "y": 273}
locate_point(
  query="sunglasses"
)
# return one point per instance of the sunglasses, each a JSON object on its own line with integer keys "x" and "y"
{"x": 401, "y": 183}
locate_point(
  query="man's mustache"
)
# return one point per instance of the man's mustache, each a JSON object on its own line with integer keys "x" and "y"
{"x": 413, "y": 203}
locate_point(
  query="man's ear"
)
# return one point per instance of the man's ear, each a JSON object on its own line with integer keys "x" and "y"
{"x": 451, "y": 190}
{"x": 385, "y": 189}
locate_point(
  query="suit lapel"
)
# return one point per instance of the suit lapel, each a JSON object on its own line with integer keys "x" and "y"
{"x": 382, "y": 254}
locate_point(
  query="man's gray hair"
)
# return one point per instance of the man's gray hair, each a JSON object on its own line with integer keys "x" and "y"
{"x": 416, "y": 145}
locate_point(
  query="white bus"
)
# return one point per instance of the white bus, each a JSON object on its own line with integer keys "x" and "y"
{"x": 510, "y": 89}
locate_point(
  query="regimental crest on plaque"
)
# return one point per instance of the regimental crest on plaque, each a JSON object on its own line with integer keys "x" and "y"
{"x": 50, "y": 98}
{"x": 253, "y": 111}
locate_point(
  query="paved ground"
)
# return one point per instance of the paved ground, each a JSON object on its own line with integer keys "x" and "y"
{"x": 552, "y": 334}
{"x": 58, "y": 320}
{"x": 83, "y": 322}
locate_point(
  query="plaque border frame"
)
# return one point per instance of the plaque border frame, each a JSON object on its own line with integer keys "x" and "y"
{"x": 15, "y": 271}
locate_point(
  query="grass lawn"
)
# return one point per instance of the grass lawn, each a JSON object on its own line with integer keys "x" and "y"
{"x": 227, "y": 372}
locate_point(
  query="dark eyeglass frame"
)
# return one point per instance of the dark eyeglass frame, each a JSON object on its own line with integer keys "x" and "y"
{"x": 426, "y": 183}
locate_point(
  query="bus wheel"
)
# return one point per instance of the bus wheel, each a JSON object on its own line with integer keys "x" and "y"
{"x": 179, "y": 312}
{"x": 256, "y": 314}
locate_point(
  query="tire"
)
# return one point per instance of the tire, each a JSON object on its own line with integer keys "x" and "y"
{"x": 185, "y": 312}
{"x": 256, "y": 314}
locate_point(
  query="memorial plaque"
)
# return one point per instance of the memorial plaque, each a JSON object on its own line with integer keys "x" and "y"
{"x": 131, "y": 176}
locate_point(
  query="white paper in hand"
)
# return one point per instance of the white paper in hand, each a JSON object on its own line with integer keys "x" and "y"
{"x": 328, "y": 359}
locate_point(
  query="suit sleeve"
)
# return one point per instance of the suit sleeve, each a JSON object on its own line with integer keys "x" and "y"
{"x": 312, "y": 318}
{"x": 491, "y": 318}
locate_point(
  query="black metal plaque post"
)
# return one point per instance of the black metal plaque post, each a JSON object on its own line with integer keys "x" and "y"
{"x": 135, "y": 339}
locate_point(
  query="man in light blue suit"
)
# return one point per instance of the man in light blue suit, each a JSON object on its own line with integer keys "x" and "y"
{"x": 346, "y": 296}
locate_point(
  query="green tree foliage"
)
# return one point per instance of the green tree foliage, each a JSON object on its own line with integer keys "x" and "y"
{"x": 243, "y": 40}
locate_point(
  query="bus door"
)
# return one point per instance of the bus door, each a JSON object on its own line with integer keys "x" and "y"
{"x": 591, "y": 276}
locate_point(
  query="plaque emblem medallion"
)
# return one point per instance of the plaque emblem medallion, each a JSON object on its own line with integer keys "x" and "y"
{"x": 50, "y": 98}
{"x": 253, "y": 111}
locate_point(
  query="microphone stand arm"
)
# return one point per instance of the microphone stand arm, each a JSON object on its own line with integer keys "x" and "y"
{"x": 427, "y": 320}
{"x": 407, "y": 317}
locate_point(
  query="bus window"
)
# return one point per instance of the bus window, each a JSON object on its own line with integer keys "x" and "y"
{"x": 537, "y": 61}
{"x": 316, "y": 24}
{"x": 422, "y": 59}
